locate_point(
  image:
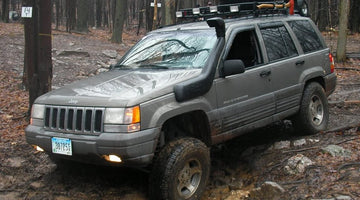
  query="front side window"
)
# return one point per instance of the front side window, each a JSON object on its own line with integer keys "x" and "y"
{"x": 245, "y": 47}
{"x": 173, "y": 49}
{"x": 307, "y": 36}
{"x": 278, "y": 43}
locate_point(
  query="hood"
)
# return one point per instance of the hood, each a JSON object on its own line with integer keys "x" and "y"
{"x": 118, "y": 88}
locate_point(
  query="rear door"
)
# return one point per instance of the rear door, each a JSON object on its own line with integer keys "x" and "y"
{"x": 286, "y": 67}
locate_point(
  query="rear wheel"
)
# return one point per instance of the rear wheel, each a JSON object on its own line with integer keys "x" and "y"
{"x": 313, "y": 115}
{"x": 180, "y": 171}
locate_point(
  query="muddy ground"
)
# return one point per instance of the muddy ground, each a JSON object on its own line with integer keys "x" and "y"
{"x": 238, "y": 166}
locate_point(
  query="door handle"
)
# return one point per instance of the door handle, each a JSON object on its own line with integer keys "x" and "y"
{"x": 300, "y": 62}
{"x": 265, "y": 73}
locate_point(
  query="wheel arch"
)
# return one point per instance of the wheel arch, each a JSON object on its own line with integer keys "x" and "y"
{"x": 315, "y": 74}
{"x": 189, "y": 124}
{"x": 318, "y": 79}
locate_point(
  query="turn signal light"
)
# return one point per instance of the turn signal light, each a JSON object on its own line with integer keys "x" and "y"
{"x": 132, "y": 115}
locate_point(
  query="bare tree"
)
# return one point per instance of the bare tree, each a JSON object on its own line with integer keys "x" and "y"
{"x": 141, "y": 15}
{"x": 91, "y": 13}
{"x": 168, "y": 12}
{"x": 99, "y": 13}
{"x": 37, "y": 59}
{"x": 5, "y": 11}
{"x": 82, "y": 15}
{"x": 354, "y": 16}
{"x": 120, "y": 13}
{"x": 70, "y": 15}
{"x": 155, "y": 18}
{"x": 149, "y": 13}
{"x": 343, "y": 29}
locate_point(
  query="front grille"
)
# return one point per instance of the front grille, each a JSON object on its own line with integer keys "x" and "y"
{"x": 74, "y": 119}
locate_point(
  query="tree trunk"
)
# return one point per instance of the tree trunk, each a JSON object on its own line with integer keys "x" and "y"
{"x": 57, "y": 18}
{"x": 70, "y": 15}
{"x": 343, "y": 28}
{"x": 323, "y": 18}
{"x": 168, "y": 12}
{"x": 133, "y": 10}
{"x": 5, "y": 11}
{"x": 31, "y": 40}
{"x": 149, "y": 13}
{"x": 37, "y": 59}
{"x": 121, "y": 6}
{"x": 99, "y": 13}
{"x": 44, "y": 56}
{"x": 112, "y": 13}
{"x": 354, "y": 16}
{"x": 106, "y": 14}
{"x": 82, "y": 16}
{"x": 155, "y": 19}
{"x": 91, "y": 13}
{"x": 187, "y": 4}
{"x": 141, "y": 15}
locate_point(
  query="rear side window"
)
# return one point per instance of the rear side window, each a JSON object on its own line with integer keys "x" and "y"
{"x": 307, "y": 36}
{"x": 278, "y": 42}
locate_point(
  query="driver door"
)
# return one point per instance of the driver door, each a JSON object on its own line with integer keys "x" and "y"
{"x": 245, "y": 100}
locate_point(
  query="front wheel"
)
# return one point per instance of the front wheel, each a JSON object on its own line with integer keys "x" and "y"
{"x": 180, "y": 171}
{"x": 313, "y": 115}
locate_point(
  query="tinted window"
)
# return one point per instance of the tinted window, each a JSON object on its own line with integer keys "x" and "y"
{"x": 278, "y": 43}
{"x": 308, "y": 38}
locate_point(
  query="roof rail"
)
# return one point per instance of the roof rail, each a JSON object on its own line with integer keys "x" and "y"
{"x": 235, "y": 10}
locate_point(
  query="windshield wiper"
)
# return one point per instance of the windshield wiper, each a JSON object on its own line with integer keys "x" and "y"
{"x": 119, "y": 66}
{"x": 153, "y": 66}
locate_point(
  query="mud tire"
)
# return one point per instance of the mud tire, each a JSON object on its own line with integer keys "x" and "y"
{"x": 313, "y": 115}
{"x": 180, "y": 171}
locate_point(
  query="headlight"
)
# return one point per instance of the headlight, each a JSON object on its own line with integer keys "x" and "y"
{"x": 122, "y": 115}
{"x": 114, "y": 116}
{"x": 37, "y": 111}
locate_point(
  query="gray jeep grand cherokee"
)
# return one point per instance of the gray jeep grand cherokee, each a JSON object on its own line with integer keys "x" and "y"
{"x": 186, "y": 87}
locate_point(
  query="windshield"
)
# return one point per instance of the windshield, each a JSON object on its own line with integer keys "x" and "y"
{"x": 176, "y": 49}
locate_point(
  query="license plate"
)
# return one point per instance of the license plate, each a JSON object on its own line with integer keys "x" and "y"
{"x": 61, "y": 146}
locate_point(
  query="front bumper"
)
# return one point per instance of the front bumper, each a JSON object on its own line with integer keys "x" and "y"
{"x": 135, "y": 149}
{"x": 330, "y": 83}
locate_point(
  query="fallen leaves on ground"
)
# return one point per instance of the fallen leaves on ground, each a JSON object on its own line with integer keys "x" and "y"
{"x": 13, "y": 106}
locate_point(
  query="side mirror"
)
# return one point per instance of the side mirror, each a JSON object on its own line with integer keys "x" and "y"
{"x": 232, "y": 67}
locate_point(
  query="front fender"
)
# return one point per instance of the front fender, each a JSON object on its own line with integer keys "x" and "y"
{"x": 157, "y": 111}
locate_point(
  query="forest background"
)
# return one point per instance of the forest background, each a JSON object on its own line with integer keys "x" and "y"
{"x": 80, "y": 15}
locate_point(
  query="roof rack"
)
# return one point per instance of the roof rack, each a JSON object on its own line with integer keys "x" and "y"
{"x": 235, "y": 10}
